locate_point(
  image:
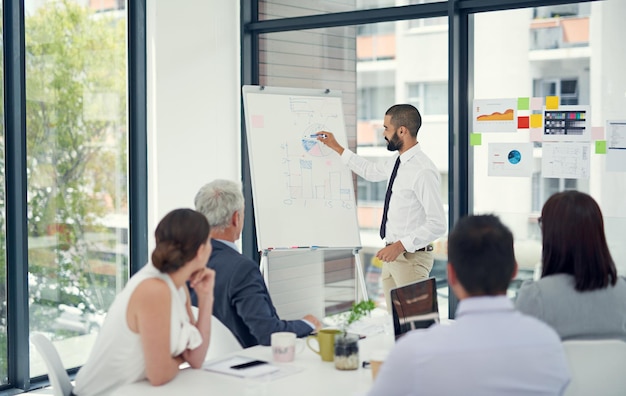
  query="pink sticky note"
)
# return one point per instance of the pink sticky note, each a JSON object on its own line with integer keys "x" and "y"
{"x": 536, "y": 103}
{"x": 536, "y": 134}
{"x": 258, "y": 121}
{"x": 597, "y": 133}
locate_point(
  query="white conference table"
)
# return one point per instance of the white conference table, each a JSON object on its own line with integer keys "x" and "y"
{"x": 315, "y": 377}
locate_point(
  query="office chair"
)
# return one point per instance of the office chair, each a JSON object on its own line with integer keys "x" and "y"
{"x": 223, "y": 341}
{"x": 596, "y": 367}
{"x": 60, "y": 381}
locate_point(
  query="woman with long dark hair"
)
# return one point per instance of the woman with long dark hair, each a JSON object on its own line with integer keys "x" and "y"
{"x": 579, "y": 294}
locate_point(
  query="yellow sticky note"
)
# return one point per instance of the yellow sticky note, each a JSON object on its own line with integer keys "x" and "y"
{"x": 600, "y": 146}
{"x": 536, "y": 120}
{"x": 476, "y": 139}
{"x": 552, "y": 102}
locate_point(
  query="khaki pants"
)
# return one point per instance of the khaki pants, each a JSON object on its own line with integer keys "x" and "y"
{"x": 407, "y": 268}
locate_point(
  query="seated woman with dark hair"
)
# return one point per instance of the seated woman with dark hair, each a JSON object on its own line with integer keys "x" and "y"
{"x": 149, "y": 329}
{"x": 579, "y": 293}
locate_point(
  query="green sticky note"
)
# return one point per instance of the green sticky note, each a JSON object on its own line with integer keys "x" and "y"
{"x": 600, "y": 146}
{"x": 475, "y": 139}
{"x": 523, "y": 103}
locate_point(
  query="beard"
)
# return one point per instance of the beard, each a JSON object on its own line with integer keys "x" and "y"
{"x": 395, "y": 143}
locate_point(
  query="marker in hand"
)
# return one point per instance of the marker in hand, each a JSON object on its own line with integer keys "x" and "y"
{"x": 322, "y": 135}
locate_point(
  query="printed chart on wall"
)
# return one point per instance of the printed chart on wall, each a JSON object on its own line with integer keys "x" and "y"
{"x": 303, "y": 193}
{"x": 567, "y": 123}
{"x": 511, "y": 159}
{"x": 495, "y": 115}
{"x": 616, "y": 146}
{"x": 567, "y": 160}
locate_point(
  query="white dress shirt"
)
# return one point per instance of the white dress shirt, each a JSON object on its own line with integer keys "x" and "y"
{"x": 416, "y": 216}
{"x": 490, "y": 349}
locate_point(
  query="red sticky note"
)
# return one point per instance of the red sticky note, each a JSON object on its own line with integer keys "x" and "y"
{"x": 523, "y": 122}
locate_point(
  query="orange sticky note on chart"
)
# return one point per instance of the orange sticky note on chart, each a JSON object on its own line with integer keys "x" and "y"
{"x": 552, "y": 102}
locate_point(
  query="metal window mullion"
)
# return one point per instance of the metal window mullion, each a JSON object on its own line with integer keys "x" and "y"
{"x": 14, "y": 81}
{"x": 137, "y": 135}
{"x": 459, "y": 91}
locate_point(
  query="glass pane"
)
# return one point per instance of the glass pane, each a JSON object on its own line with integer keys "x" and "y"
{"x": 276, "y": 9}
{"x": 374, "y": 66}
{"x": 555, "y": 60}
{"x": 3, "y": 268}
{"x": 77, "y": 169}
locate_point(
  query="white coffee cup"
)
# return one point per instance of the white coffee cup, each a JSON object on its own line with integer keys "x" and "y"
{"x": 284, "y": 346}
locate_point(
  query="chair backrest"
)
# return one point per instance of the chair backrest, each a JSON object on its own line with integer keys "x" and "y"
{"x": 597, "y": 367}
{"x": 414, "y": 306}
{"x": 223, "y": 341}
{"x": 60, "y": 381}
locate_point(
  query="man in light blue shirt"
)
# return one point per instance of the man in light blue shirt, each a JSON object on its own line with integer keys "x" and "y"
{"x": 490, "y": 349}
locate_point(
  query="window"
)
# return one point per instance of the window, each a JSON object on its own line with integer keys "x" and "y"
{"x": 431, "y": 98}
{"x": 374, "y": 101}
{"x": 566, "y": 89}
{"x": 418, "y": 23}
{"x": 76, "y": 155}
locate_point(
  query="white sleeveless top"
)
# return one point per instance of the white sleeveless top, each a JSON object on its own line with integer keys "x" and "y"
{"x": 117, "y": 357}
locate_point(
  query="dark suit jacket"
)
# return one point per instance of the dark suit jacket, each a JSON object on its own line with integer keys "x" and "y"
{"x": 242, "y": 301}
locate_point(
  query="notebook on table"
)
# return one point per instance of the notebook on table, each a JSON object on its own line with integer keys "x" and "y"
{"x": 414, "y": 306}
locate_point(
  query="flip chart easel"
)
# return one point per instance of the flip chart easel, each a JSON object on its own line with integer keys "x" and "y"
{"x": 303, "y": 194}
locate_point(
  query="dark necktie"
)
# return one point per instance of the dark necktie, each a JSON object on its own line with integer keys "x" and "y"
{"x": 383, "y": 223}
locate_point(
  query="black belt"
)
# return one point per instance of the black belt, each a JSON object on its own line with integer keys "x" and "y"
{"x": 427, "y": 248}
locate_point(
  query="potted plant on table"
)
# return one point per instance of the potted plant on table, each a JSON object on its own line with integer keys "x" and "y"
{"x": 346, "y": 345}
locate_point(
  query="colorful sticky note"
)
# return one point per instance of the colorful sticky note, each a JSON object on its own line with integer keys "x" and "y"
{"x": 536, "y": 103}
{"x": 600, "y": 146}
{"x": 476, "y": 139}
{"x": 552, "y": 102}
{"x": 536, "y": 134}
{"x": 597, "y": 133}
{"x": 523, "y": 103}
{"x": 258, "y": 121}
{"x": 536, "y": 120}
{"x": 522, "y": 122}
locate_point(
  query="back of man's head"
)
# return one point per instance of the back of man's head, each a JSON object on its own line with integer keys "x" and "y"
{"x": 218, "y": 200}
{"x": 480, "y": 250}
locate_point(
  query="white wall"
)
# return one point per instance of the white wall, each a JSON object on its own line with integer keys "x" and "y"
{"x": 193, "y": 100}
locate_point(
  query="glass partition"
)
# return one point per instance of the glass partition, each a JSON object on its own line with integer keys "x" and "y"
{"x": 559, "y": 58}
{"x": 375, "y": 66}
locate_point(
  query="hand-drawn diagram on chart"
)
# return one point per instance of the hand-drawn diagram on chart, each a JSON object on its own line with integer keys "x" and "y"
{"x": 314, "y": 171}
{"x": 566, "y": 160}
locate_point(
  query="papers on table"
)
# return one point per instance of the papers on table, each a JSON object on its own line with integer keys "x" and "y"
{"x": 266, "y": 371}
{"x": 225, "y": 366}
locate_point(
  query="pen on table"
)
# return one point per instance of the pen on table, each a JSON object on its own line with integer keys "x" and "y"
{"x": 323, "y": 136}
